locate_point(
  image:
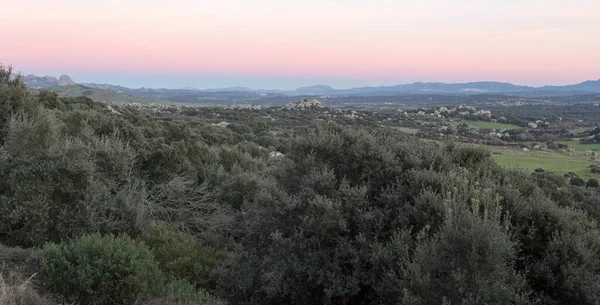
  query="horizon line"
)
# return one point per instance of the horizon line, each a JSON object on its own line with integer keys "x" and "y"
{"x": 316, "y": 84}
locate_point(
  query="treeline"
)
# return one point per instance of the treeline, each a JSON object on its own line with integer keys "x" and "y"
{"x": 113, "y": 205}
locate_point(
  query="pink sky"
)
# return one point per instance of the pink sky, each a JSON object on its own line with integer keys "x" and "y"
{"x": 353, "y": 42}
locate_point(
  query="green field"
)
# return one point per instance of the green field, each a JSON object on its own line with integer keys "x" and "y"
{"x": 407, "y": 130}
{"x": 484, "y": 125}
{"x": 557, "y": 162}
{"x": 581, "y": 147}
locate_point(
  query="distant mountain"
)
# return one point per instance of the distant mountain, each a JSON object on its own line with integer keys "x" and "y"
{"x": 315, "y": 90}
{"x": 189, "y": 88}
{"x": 436, "y": 88}
{"x": 587, "y": 87}
{"x": 446, "y": 88}
{"x": 65, "y": 80}
{"x": 457, "y": 88}
{"x": 229, "y": 89}
{"x": 45, "y": 82}
{"x": 37, "y": 82}
{"x": 590, "y": 86}
{"x": 107, "y": 87}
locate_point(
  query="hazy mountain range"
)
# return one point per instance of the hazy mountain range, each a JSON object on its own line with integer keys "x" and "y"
{"x": 587, "y": 87}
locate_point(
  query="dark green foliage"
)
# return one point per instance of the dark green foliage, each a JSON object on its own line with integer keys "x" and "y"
{"x": 267, "y": 141}
{"x": 592, "y": 183}
{"x": 100, "y": 270}
{"x": 315, "y": 231}
{"x": 49, "y": 99}
{"x": 577, "y": 181}
{"x": 355, "y": 218}
{"x": 161, "y": 162}
{"x": 181, "y": 256}
{"x": 54, "y": 187}
{"x": 215, "y": 135}
{"x": 556, "y": 187}
{"x": 469, "y": 261}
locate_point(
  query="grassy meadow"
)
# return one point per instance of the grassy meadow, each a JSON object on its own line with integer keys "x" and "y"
{"x": 484, "y": 125}
{"x": 557, "y": 162}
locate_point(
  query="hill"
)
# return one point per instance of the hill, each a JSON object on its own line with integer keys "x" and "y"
{"x": 37, "y": 82}
{"x": 98, "y": 95}
{"x": 315, "y": 90}
{"x": 65, "y": 80}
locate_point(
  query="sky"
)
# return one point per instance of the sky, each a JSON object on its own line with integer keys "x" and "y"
{"x": 280, "y": 44}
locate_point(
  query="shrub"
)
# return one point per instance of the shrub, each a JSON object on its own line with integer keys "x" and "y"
{"x": 54, "y": 187}
{"x": 181, "y": 256}
{"x": 357, "y": 218}
{"x": 577, "y": 181}
{"x": 592, "y": 183}
{"x": 49, "y": 99}
{"x": 100, "y": 270}
{"x": 469, "y": 261}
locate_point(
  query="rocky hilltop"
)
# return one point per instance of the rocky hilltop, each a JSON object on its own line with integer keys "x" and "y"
{"x": 65, "y": 80}
{"x": 304, "y": 104}
{"x": 43, "y": 82}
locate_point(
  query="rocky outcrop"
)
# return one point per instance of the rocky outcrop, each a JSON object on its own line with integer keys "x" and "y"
{"x": 37, "y": 82}
{"x": 304, "y": 104}
{"x": 65, "y": 80}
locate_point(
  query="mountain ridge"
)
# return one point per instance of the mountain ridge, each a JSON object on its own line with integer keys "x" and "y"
{"x": 479, "y": 87}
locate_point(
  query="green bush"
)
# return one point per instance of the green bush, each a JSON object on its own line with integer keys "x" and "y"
{"x": 55, "y": 187}
{"x": 470, "y": 260}
{"x": 578, "y": 181}
{"x": 357, "y": 218}
{"x": 49, "y": 99}
{"x": 181, "y": 256}
{"x": 100, "y": 270}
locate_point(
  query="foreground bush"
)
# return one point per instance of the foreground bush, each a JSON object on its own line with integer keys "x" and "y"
{"x": 181, "y": 256}
{"x": 100, "y": 270}
{"x": 359, "y": 218}
{"x": 53, "y": 188}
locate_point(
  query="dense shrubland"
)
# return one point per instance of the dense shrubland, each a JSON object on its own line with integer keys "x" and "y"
{"x": 122, "y": 206}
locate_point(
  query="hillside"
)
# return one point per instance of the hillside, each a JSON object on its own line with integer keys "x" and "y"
{"x": 98, "y": 95}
